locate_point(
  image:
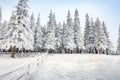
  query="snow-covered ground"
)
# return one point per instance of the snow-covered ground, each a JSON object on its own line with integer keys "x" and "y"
{"x": 14, "y": 68}
{"x": 61, "y": 67}
{"x": 78, "y": 67}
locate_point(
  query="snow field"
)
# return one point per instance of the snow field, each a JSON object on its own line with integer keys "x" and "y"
{"x": 78, "y": 67}
{"x": 18, "y": 68}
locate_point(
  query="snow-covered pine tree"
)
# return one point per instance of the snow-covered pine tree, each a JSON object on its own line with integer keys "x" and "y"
{"x": 109, "y": 45}
{"x": 89, "y": 34}
{"x": 4, "y": 26}
{"x": 100, "y": 38}
{"x": 50, "y": 36}
{"x": 0, "y": 23}
{"x": 92, "y": 36}
{"x": 97, "y": 35}
{"x": 38, "y": 36}
{"x": 63, "y": 37}
{"x": 69, "y": 35}
{"x": 20, "y": 36}
{"x": 54, "y": 22}
{"x": 118, "y": 47}
{"x": 44, "y": 31}
{"x": 32, "y": 23}
{"x": 10, "y": 23}
{"x": 58, "y": 37}
{"x": 77, "y": 32}
{"x": 103, "y": 41}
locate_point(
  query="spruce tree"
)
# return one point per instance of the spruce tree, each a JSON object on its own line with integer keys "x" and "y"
{"x": 32, "y": 23}
{"x": 1, "y": 23}
{"x": 77, "y": 32}
{"x": 89, "y": 34}
{"x": 50, "y": 36}
{"x": 63, "y": 37}
{"x": 69, "y": 35}
{"x": 19, "y": 36}
{"x": 118, "y": 47}
{"x": 58, "y": 37}
{"x": 38, "y": 35}
{"x": 109, "y": 48}
{"x": 4, "y": 26}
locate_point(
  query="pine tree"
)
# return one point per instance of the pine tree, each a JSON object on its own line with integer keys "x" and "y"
{"x": 50, "y": 36}
{"x": 103, "y": 41}
{"x": 89, "y": 34}
{"x": 77, "y": 32}
{"x": 20, "y": 35}
{"x": 1, "y": 23}
{"x": 100, "y": 38}
{"x": 97, "y": 35}
{"x": 92, "y": 36}
{"x": 44, "y": 31}
{"x": 118, "y": 47}
{"x": 38, "y": 35}
{"x": 109, "y": 44}
{"x": 63, "y": 37}
{"x": 58, "y": 37}
{"x": 32, "y": 23}
{"x": 69, "y": 34}
{"x": 4, "y": 26}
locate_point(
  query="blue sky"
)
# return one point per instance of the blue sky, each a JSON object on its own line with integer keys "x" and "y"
{"x": 107, "y": 10}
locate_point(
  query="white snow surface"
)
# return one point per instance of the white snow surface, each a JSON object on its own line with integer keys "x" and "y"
{"x": 78, "y": 67}
{"x": 63, "y": 67}
{"x": 14, "y": 68}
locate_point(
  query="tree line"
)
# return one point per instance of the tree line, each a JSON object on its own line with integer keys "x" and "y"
{"x": 24, "y": 34}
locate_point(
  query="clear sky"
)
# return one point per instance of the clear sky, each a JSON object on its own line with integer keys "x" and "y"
{"x": 107, "y": 10}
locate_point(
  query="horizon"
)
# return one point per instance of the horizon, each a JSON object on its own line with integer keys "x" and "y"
{"x": 105, "y": 10}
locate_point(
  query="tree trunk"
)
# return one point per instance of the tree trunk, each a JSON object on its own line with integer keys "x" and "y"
{"x": 13, "y": 52}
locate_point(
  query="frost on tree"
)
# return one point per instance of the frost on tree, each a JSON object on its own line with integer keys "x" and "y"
{"x": 103, "y": 41}
{"x": 63, "y": 36}
{"x": 32, "y": 23}
{"x": 44, "y": 33}
{"x": 58, "y": 36}
{"x": 38, "y": 36}
{"x": 118, "y": 47}
{"x": 89, "y": 34}
{"x": 95, "y": 37}
{"x": 101, "y": 38}
{"x": 69, "y": 35}
{"x": 77, "y": 32}
{"x": 1, "y": 23}
{"x": 110, "y": 48}
{"x": 50, "y": 35}
{"x": 3, "y": 27}
{"x": 19, "y": 34}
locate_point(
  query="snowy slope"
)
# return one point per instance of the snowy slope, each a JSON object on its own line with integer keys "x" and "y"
{"x": 78, "y": 67}
{"x": 14, "y": 68}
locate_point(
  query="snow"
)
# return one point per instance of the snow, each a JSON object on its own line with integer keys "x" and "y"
{"x": 14, "y": 68}
{"x": 78, "y": 67}
{"x": 61, "y": 67}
